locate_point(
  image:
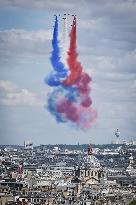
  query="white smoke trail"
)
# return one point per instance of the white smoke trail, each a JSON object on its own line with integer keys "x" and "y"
{"x": 64, "y": 41}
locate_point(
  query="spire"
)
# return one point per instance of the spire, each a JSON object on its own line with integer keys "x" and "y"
{"x": 90, "y": 151}
{"x": 130, "y": 166}
{"x": 131, "y": 161}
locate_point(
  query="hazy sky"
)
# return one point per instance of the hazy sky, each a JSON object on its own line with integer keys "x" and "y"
{"x": 106, "y": 38}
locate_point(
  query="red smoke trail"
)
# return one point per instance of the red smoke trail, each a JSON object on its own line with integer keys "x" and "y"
{"x": 77, "y": 76}
{"x": 74, "y": 66}
{"x": 78, "y": 110}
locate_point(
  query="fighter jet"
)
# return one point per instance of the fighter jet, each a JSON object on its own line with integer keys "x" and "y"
{"x": 63, "y": 18}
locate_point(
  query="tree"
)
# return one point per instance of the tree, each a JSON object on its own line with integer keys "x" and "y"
{"x": 132, "y": 202}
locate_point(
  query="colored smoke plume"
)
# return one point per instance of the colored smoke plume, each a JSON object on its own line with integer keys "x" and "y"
{"x": 70, "y": 101}
{"x": 74, "y": 66}
{"x": 64, "y": 41}
{"x": 59, "y": 69}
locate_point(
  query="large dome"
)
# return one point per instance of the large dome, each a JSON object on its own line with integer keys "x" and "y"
{"x": 91, "y": 161}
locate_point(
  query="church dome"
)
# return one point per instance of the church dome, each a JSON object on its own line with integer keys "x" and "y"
{"x": 91, "y": 161}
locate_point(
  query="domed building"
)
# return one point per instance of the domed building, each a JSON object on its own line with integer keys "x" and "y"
{"x": 89, "y": 172}
{"x": 90, "y": 160}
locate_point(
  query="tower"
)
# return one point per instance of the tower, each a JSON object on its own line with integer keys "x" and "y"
{"x": 20, "y": 168}
{"x": 28, "y": 145}
{"x": 130, "y": 168}
{"x": 117, "y": 134}
{"x": 131, "y": 161}
{"x": 90, "y": 150}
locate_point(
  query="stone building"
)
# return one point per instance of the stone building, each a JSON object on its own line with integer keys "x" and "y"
{"x": 89, "y": 173}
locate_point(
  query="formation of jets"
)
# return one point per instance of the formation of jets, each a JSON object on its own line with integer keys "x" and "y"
{"x": 65, "y": 15}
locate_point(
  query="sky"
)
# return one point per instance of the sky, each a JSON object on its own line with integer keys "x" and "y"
{"x": 106, "y": 44}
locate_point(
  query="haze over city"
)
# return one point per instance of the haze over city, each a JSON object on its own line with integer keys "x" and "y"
{"x": 106, "y": 46}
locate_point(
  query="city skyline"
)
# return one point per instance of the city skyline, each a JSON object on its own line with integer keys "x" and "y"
{"x": 106, "y": 32}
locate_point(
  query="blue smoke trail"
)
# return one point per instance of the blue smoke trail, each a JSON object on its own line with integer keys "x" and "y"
{"x": 59, "y": 69}
{"x": 60, "y": 93}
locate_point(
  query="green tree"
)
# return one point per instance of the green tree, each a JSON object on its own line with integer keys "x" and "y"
{"x": 132, "y": 202}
